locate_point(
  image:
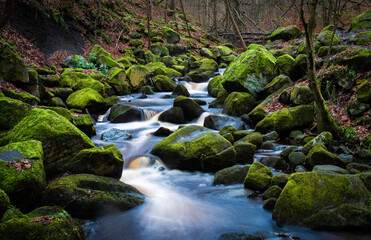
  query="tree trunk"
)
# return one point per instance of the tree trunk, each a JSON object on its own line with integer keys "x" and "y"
{"x": 215, "y": 18}
{"x": 166, "y": 7}
{"x": 234, "y": 24}
{"x": 185, "y": 17}
{"x": 325, "y": 122}
{"x": 149, "y": 17}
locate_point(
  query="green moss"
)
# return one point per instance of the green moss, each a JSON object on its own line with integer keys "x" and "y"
{"x": 286, "y": 33}
{"x": 361, "y": 21}
{"x": 244, "y": 152}
{"x": 12, "y": 67}
{"x": 4, "y": 203}
{"x": 215, "y": 86}
{"x": 231, "y": 175}
{"x": 136, "y": 43}
{"x": 117, "y": 79}
{"x": 277, "y": 83}
{"x": 238, "y": 103}
{"x": 258, "y": 177}
{"x": 273, "y": 192}
{"x": 22, "y": 174}
{"x": 364, "y": 92}
{"x": 12, "y": 112}
{"x": 253, "y": 137}
{"x": 86, "y": 98}
{"x": 205, "y": 52}
{"x": 137, "y": 76}
{"x": 324, "y": 39}
{"x": 219, "y": 51}
{"x": 78, "y": 80}
{"x": 300, "y": 95}
{"x": 163, "y": 83}
{"x": 323, "y": 138}
{"x": 103, "y": 57}
{"x": 170, "y": 35}
{"x": 190, "y": 108}
{"x": 61, "y": 111}
{"x": 319, "y": 155}
{"x": 285, "y": 64}
{"x": 280, "y": 180}
{"x": 24, "y": 97}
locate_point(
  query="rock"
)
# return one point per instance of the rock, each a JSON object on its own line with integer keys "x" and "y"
{"x": 301, "y": 95}
{"x": 169, "y": 61}
{"x": 61, "y": 140}
{"x": 205, "y": 52}
{"x": 272, "y": 192}
{"x": 285, "y": 63}
{"x": 173, "y": 115}
{"x": 309, "y": 198}
{"x": 227, "y": 129}
{"x": 163, "y": 83}
{"x": 268, "y": 146}
{"x": 61, "y": 111}
{"x": 276, "y": 84}
{"x": 121, "y": 113}
{"x": 271, "y": 136}
{"x": 366, "y": 178}
{"x": 97, "y": 195}
{"x": 190, "y": 108}
{"x": 220, "y": 51}
{"x": 180, "y": 90}
{"x": 215, "y": 86}
{"x": 244, "y": 152}
{"x": 137, "y": 76}
{"x": 217, "y": 122}
{"x": 202, "y": 70}
{"x": 241, "y": 134}
{"x": 299, "y": 69}
{"x": 171, "y": 36}
{"x": 46, "y": 222}
{"x": 104, "y": 161}
{"x": 296, "y": 158}
{"x": 117, "y": 80}
{"x": 324, "y": 39}
{"x": 250, "y": 72}
{"x": 300, "y": 168}
{"x": 269, "y": 203}
{"x": 4, "y": 203}
{"x": 364, "y": 92}
{"x": 12, "y": 112}
{"x": 285, "y": 153}
{"x": 22, "y": 174}
{"x": 362, "y": 38}
{"x": 84, "y": 123}
{"x": 116, "y": 135}
{"x": 238, "y": 103}
{"x": 62, "y": 93}
{"x": 231, "y": 175}
{"x": 358, "y": 166}
{"x": 253, "y": 137}
{"x": 163, "y": 132}
{"x": 286, "y": 120}
{"x": 229, "y": 137}
{"x": 86, "y": 98}
{"x": 23, "y": 96}
{"x": 238, "y": 236}
{"x": 103, "y": 57}
{"x": 195, "y": 148}
{"x": 286, "y": 33}
{"x": 78, "y": 81}
{"x": 258, "y": 177}
{"x": 274, "y": 162}
{"x": 361, "y": 21}
{"x": 362, "y": 156}
{"x": 359, "y": 60}
{"x": 329, "y": 169}
{"x": 357, "y": 108}
{"x": 324, "y": 138}
{"x": 319, "y": 155}
{"x": 280, "y": 180}
{"x": 146, "y": 90}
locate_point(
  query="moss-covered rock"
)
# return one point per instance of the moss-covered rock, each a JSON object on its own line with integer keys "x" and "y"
{"x": 78, "y": 80}
{"x": 361, "y": 21}
{"x": 220, "y": 51}
{"x": 296, "y": 158}
{"x": 301, "y": 95}
{"x": 138, "y": 76}
{"x": 244, "y": 151}
{"x": 62, "y": 93}
{"x": 22, "y": 174}
{"x": 362, "y": 38}
{"x": 195, "y": 148}
{"x": 121, "y": 113}
{"x": 4, "y": 203}
{"x": 190, "y": 108}
{"x": 250, "y": 72}
{"x": 329, "y": 169}
{"x": 273, "y": 192}
{"x": 286, "y": 33}
{"x": 280, "y": 180}
{"x": 84, "y": 123}
{"x": 205, "y": 52}
{"x": 173, "y": 115}
{"x": 324, "y": 138}
{"x": 215, "y": 86}
{"x": 276, "y": 84}
{"x": 300, "y": 67}
{"x": 171, "y": 36}
{"x": 324, "y": 39}
{"x": 180, "y": 90}
{"x": 117, "y": 80}
{"x": 103, "y": 57}
{"x": 24, "y": 97}
{"x": 231, "y": 175}
{"x": 61, "y": 111}
{"x": 238, "y": 103}
{"x": 319, "y": 155}
{"x": 362, "y": 156}
{"x": 12, "y": 112}
{"x": 104, "y": 161}
{"x": 61, "y": 140}
{"x": 202, "y": 70}
{"x": 258, "y": 177}
{"x": 357, "y": 58}
{"x": 285, "y": 63}
{"x": 253, "y": 137}
{"x": 286, "y": 120}
{"x": 52, "y": 223}
{"x": 86, "y": 98}
{"x": 218, "y": 122}
{"x": 163, "y": 83}
{"x": 364, "y": 92}
{"x": 307, "y": 195}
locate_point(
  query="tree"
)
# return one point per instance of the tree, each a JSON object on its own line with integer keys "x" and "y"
{"x": 325, "y": 122}
{"x": 227, "y": 3}
{"x": 149, "y": 18}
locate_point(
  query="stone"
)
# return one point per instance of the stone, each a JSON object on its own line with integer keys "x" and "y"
{"x": 253, "y": 137}
{"x": 205, "y": 52}
{"x": 215, "y": 86}
{"x": 324, "y": 138}
{"x": 274, "y": 162}
{"x": 258, "y": 177}
{"x": 232, "y": 175}
{"x": 277, "y": 84}
{"x": 180, "y": 90}
{"x": 361, "y": 21}
{"x": 117, "y": 80}
{"x": 301, "y": 95}
{"x": 285, "y": 63}
{"x": 238, "y": 103}
{"x": 269, "y": 203}
{"x": 116, "y": 135}
{"x": 4, "y": 202}
{"x": 121, "y": 113}
{"x": 86, "y": 98}
{"x": 173, "y": 115}
{"x": 272, "y": 192}
{"x": 84, "y": 123}
{"x": 271, "y": 136}
{"x": 163, "y": 83}
{"x": 12, "y": 112}
{"x": 22, "y": 96}
{"x": 280, "y": 180}
{"x": 78, "y": 81}
{"x": 171, "y": 36}
{"x": 296, "y": 158}
{"x": 329, "y": 169}
{"x": 286, "y": 33}
{"x": 162, "y": 132}
{"x": 217, "y": 122}
{"x": 137, "y": 76}
{"x": 319, "y": 155}
{"x": 202, "y": 70}
{"x": 362, "y": 156}
{"x": 244, "y": 152}
{"x": 190, "y": 108}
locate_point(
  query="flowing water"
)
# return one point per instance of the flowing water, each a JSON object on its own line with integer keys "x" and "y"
{"x": 182, "y": 205}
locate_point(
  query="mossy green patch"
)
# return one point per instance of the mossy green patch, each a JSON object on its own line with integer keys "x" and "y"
{"x": 163, "y": 83}
{"x": 258, "y": 177}
{"x": 12, "y": 112}
{"x": 78, "y": 80}
{"x": 286, "y": 33}
{"x": 24, "y": 97}
{"x": 86, "y": 98}
{"x": 238, "y": 103}
{"x": 137, "y": 76}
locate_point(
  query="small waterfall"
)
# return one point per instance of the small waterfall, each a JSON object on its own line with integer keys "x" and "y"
{"x": 148, "y": 114}
{"x": 195, "y": 87}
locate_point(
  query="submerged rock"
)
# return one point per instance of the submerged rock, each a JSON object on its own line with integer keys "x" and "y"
{"x": 173, "y": 115}
{"x": 217, "y": 122}
{"x": 116, "y": 135}
{"x": 121, "y": 113}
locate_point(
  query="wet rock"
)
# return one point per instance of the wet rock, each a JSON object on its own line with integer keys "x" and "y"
{"x": 163, "y": 132}
{"x": 274, "y": 162}
{"x": 238, "y": 236}
{"x": 173, "y": 115}
{"x": 229, "y": 137}
{"x": 202, "y": 70}
{"x": 272, "y": 192}
{"x": 118, "y": 81}
{"x": 244, "y": 152}
{"x": 163, "y": 83}
{"x": 285, "y": 63}
{"x": 258, "y": 177}
{"x": 231, "y": 175}
{"x": 217, "y": 122}
{"x": 319, "y": 155}
{"x": 137, "y": 76}
{"x": 200, "y": 102}
{"x": 362, "y": 156}
{"x": 296, "y": 158}
{"x": 280, "y": 180}
{"x": 12, "y": 112}
{"x": 300, "y": 168}
{"x": 269, "y": 203}
{"x": 323, "y": 138}
{"x": 84, "y": 123}
{"x": 215, "y": 86}
{"x": 190, "y": 108}
{"x": 121, "y": 113}
{"x": 238, "y": 103}
{"x": 268, "y": 146}
{"x": 253, "y": 137}
{"x": 116, "y": 135}
{"x": 359, "y": 167}
{"x": 366, "y": 178}
{"x": 272, "y": 136}
{"x": 180, "y": 90}
{"x": 79, "y": 80}
{"x": 146, "y": 90}
{"x": 329, "y": 169}
{"x": 205, "y": 52}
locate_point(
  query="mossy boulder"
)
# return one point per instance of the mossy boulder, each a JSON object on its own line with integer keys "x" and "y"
{"x": 220, "y": 51}
{"x": 12, "y": 112}
{"x": 86, "y": 98}
{"x": 363, "y": 38}
{"x": 215, "y": 86}
{"x": 78, "y": 80}
{"x": 22, "y": 96}
{"x": 169, "y": 72}
{"x": 195, "y": 148}
{"x": 324, "y": 39}
{"x": 137, "y": 76}
{"x": 52, "y": 223}
{"x": 244, "y": 151}
{"x": 64, "y": 112}
{"x": 361, "y": 21}
{"x": 84, "y": 123}
{"x": 4, "y": 202}
{"x": 117, "y": 80}
{"x": 173, "y": 115}
{"x": 286, "y": 33}
{"x": 364, "y": 92}
{"x": 103, "y": 57}
{"x": 205, "y": 52}
{"x": 272, "y": 192}
{"x": 319, "y": 155}
{"x": 121, "y": 113}
{"x": 324, "y": 138}
{"x": 359, "y": 59}
{"x": 258, "y": 177}
{"x": 218, "y": 122}
{"x": 296, "y": 158}
{"x": 61, "y": 140}
{"x": 180, "y": 90}
{"x": 280, "y": 180}
{"x": 276, "y": 84}
{"x": 329, "y": 169}
{"x": 238, "y": 103}
{"x": 170, "y": 35}
{"x": 356, "y": 108}
{"x": 22, "y": 174}
{"x": 202, "y": 70}
{"x": 285, "y": 63}
{"x": 301, "y": 95}
{"x": 104, "y": 161}
{"x": 250, "y": 72}
{"x": 62, "y": 93}
{"x": 190, "y": 108}
{"x": 287, "y": 119}
{"x": 231, "y": 175}
{"x": 316, "y": 199}
{"x": 96, "y": 195}
{"x": 253, "y": 137}
{"x": 163, "y": 83}
{"x": 169, "y": 61}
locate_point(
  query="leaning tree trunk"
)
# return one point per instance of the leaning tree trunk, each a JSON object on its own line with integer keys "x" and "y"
{"x": 185, "y": 17}
{"x": 149, "y": 18}
{"x": 227, "y": 3}
{"x": 325, "y": 122}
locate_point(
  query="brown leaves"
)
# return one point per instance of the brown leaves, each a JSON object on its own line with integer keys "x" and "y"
{"x": 45, "y": 220}
{"x": 20, "y": 165}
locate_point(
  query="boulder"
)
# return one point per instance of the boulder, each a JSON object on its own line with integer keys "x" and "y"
{"x": 301, "y": 95}
{"x": 195, "y": 148}
{"x": 173, "y": 115}
{"x": 180, "y": 90}
{"x": 286, "y": 120}
{"x": 4, "y": 203}
{"x": 162, "y": 132}
{"x": 362, "y": 156}
{"x": 324, "y": 138}
{"x": 116, "y": 135}
{"x": 232, "y": 175}
{"x": 250, "y": 72}
{"x": 217, "y": 122}
{"x": 258, "y": 177}
{"x": 325, "y": 201}
{"x": 163, "y": 83}
{"x": 190, "y": 108}
{"x": 364, "y": 92}
{"x": 22, "y": 96}
{"x": 60, "y": 139}
{"x": 104, "y": 161}
{"x": 117, "y": 80}
{"x": 361, "y": 21}
{"x": 269, "y": 203}
{"x": 244, "y": 152}
{"x": 84, "y": 123}
{"x": 62, "y": 93}
{"x": 215, "y": 86}
{"x": 12, "y": 112}
{"x": 137, "y": 76}
{"x": 272, "y": 192}
{"x": 238, "y": 103}
{"x": 319, "y": 155}
{"x": 286, "y": 33}
{"x": 220, "y": 51}
{"x": 89, "y": 196}
{"x": 276, "y": 84}
{"x": 274, "y": 162}
{"x": 86, "y": 98}
{"x": 324, "y": 39}
{"x": 202, "y": 70}
{"x": 253, "y": 137}
{"x": 171, "y": 36}
{"x": 296, "y": 158}
{"x": 102, "y": 57}
{"x": 280, "y": 180}
{"x": 329, "y": 169}
{"x": 285, "y": 63}
{"x": 121, "y": 113}
{"x": 78, "y": 80}
{"x": 272, "y": 136}
{"x": 22, "y": 174}
{"x": 205, "y": 52}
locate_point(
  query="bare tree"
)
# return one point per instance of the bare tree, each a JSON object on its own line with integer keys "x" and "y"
{"x": 227, "y": 3}
{"x": 149, "y": 19}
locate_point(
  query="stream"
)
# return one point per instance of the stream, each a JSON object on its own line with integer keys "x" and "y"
{"x": 183, "y": 205}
